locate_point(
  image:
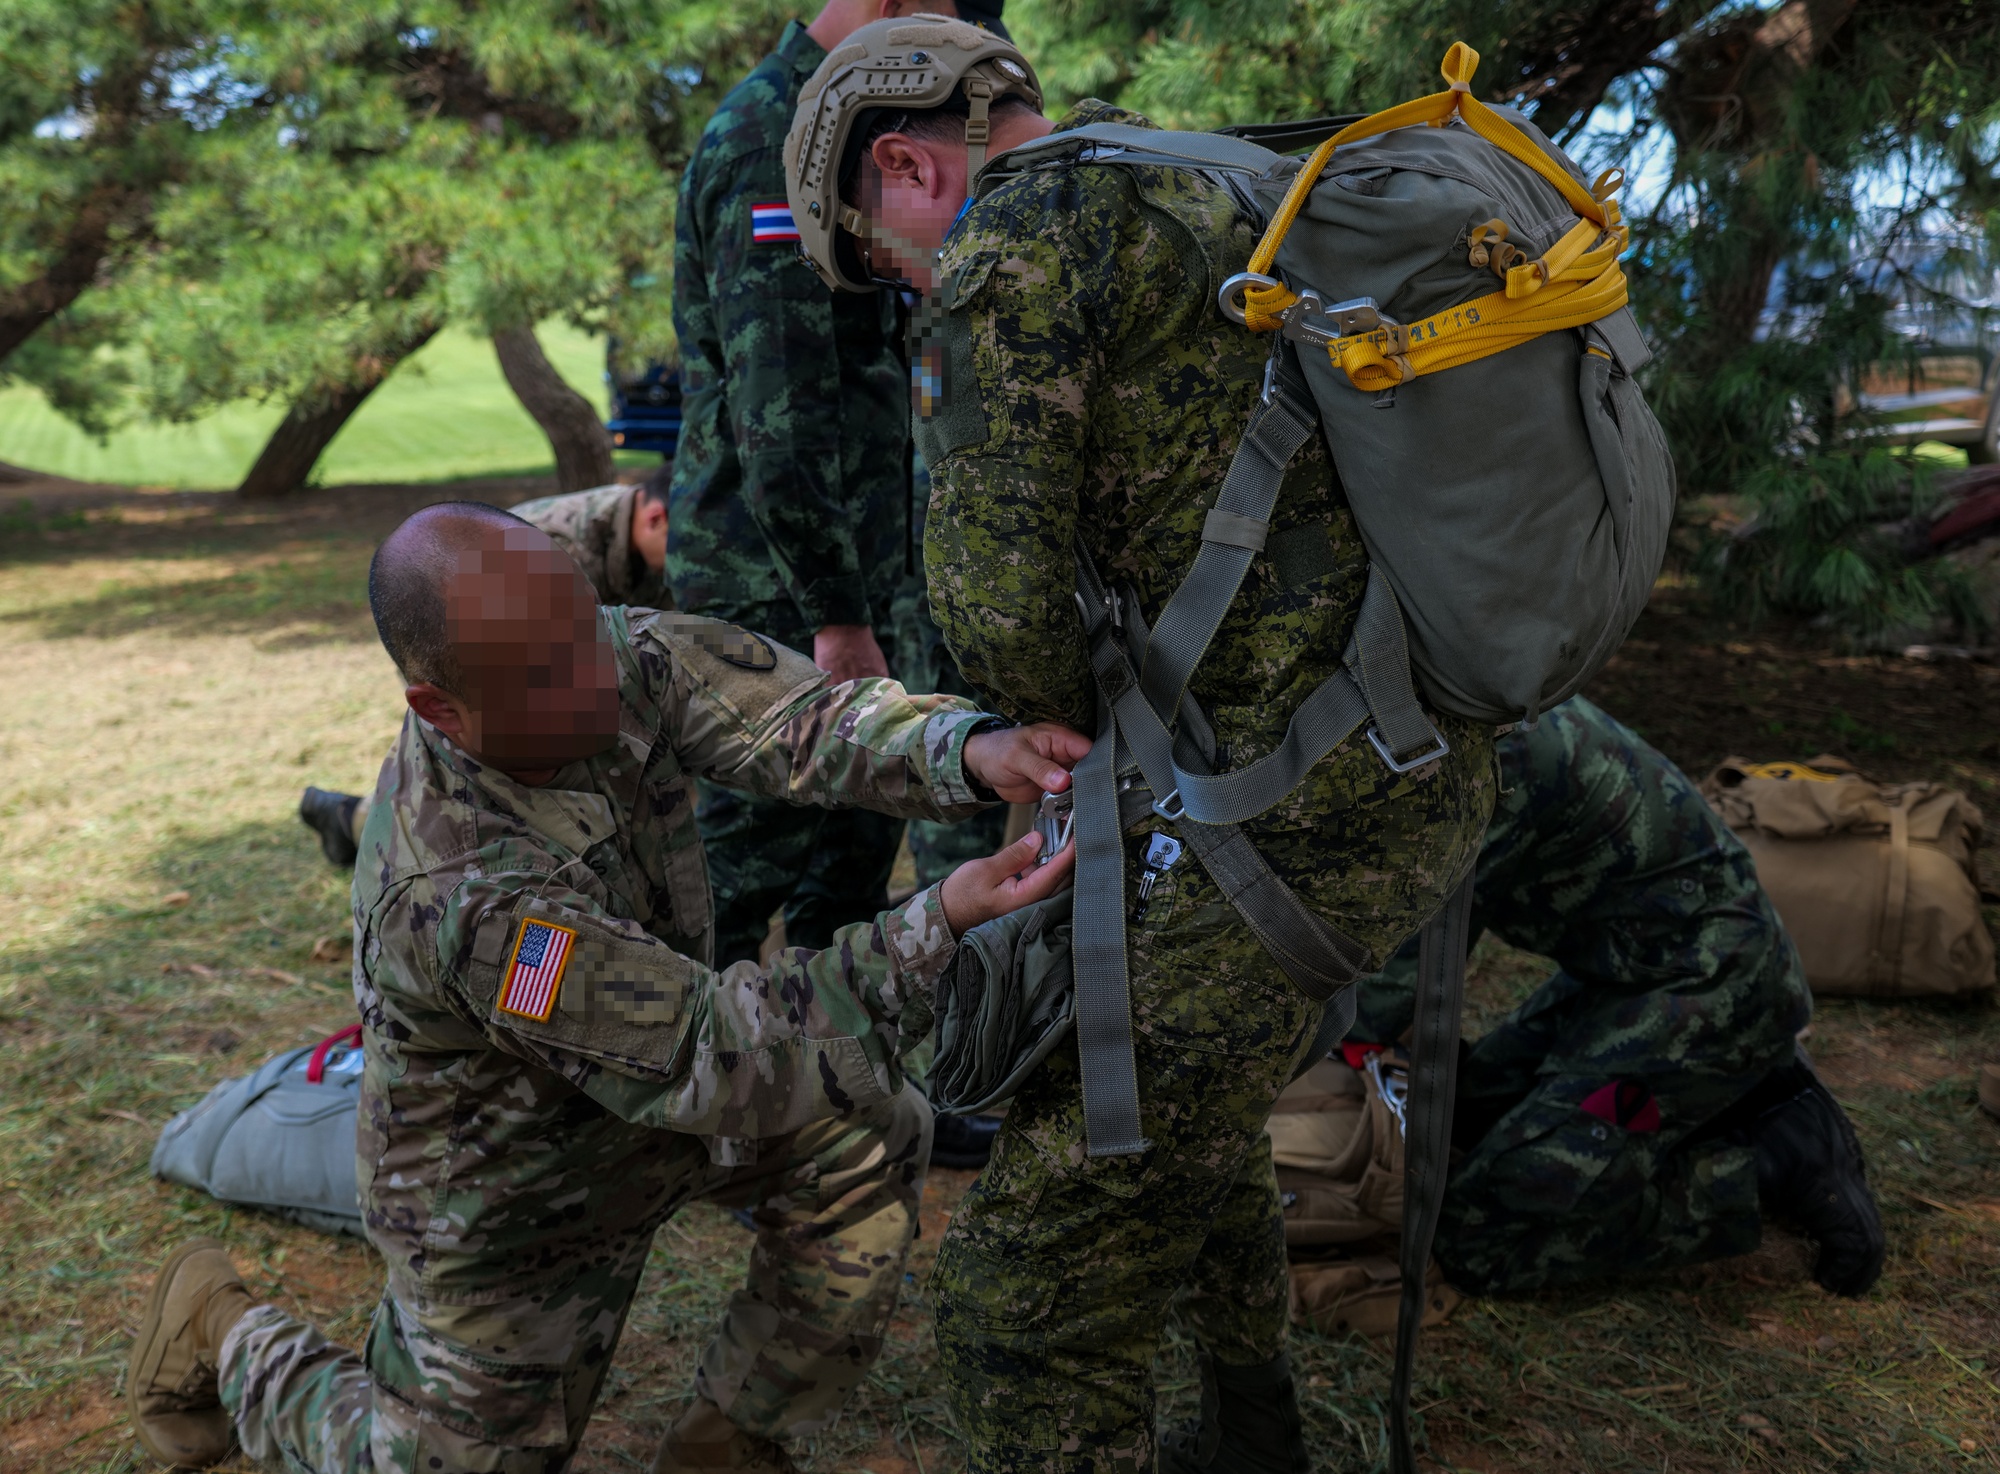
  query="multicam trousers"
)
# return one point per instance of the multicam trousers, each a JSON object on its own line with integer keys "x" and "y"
{"x": 508, "y": 1387}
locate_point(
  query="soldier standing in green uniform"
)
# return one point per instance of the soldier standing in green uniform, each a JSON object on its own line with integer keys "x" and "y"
{"x": 1093, "y": 394}
{"x": 793, "y": 503}
{"x": 553, "y": 1067}
{"x": 617, "y": 537}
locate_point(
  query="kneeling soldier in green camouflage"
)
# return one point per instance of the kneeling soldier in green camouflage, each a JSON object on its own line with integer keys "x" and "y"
{"x": 1648, "y": 1100}
{"x": 1093, "y": 396}
{"x": 553, "y": 1068}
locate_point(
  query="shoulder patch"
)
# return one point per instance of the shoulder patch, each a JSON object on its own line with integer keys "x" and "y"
{"x": 535, "y": 971}
{"x": 772, "y": 225}
{"x": 733, "y": 643}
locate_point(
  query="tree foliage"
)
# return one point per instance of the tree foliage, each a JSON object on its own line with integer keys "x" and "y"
{"x": 281, "y": 198}
{"x": 363, "y": 172}
{"x": 1797, "y": 164}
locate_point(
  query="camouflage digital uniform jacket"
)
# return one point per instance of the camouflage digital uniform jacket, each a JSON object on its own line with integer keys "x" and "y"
{"x": 457, "y": 857}
{"x": 1094, "y": 392}
{"x": 595, "y": 528}
{"x": 790, "y": 503}
{"x": 1091, "y": 390}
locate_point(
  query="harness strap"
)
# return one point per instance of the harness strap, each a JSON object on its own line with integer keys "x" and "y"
{"x": 1375, "y": 679}
{"x": 1097, "y": 954}
{"x": 1319, "y": 959}
{"x": 1279, "y": 424}
{"x": 1427, "y": 1139}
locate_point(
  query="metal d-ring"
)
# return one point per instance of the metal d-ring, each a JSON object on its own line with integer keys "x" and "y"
{"x": 1230, "y": 299}
{"x": 1438, "y": 749}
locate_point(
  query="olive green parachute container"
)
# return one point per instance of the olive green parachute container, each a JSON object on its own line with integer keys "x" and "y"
{"x": 1450, "y": 284}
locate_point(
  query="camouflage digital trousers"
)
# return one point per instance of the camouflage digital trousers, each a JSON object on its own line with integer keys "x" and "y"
{"x": 1585, "y": 1116}
{"x": 1056, "y": 1278}
{"x": 507, "y": 1387}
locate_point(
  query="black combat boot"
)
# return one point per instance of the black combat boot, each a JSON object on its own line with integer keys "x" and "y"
{"x": 963, "y": 1141}
{"x": 1810, "y": 1176}
{"x": 1250, "y": 1424}
{"x": 331, "y": 817}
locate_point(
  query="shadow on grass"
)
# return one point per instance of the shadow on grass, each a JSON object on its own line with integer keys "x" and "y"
{"x": 294, "y": 572}
{"x": 140, "y": 1005}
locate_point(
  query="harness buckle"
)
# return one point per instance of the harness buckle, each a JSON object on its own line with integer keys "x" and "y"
{"x": 1170, "y": 808}
{"x": 1441, "y": 748}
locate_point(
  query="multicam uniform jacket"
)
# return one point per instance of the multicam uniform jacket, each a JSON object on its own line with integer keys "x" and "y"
{"x": 790, "y": 505}
{"x": 595, "y": 528}
{"x": 459, "y": 862}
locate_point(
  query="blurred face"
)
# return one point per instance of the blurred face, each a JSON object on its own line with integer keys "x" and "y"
{"x": 541, "y": 682}
{"x": 911, "y": 196}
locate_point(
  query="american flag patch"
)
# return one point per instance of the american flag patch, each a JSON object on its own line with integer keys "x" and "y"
{"x": 536, "y": 970}
{"x": 772, "y": 224}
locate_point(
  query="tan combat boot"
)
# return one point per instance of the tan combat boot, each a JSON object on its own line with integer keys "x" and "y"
{"x": 704, "y": 1439}
{"x": 170, "y": 1382}
{"x": 1989, "y": 1089}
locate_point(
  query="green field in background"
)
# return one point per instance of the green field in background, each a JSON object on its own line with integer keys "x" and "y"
{"x": 444, "y": 413}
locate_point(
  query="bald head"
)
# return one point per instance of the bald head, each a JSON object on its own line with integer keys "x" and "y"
{"x": 496, "y": 634}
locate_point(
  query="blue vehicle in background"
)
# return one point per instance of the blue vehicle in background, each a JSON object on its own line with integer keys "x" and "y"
{"x": 645, "y": 407}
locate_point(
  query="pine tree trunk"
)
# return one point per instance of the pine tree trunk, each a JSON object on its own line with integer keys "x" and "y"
{"x": 313, "y": 420}
{"x": 581, "y": 443}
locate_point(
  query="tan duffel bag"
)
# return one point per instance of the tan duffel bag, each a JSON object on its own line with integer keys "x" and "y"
{"x": 1337, "y": 1140}
{"x": 1875, "y": 881}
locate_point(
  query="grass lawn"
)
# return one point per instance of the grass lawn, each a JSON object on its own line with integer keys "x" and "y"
{"x": 445, "y": 413}
{"x": 179, "y": 666}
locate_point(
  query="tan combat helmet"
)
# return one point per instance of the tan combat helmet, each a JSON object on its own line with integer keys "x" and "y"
{"x": 914, "y": 62}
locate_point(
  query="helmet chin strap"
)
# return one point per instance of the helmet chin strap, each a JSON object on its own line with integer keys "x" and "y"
{"x": 978, "y": 131}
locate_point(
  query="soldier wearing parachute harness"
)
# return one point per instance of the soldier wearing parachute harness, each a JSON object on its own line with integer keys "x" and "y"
{"x": 1091, "y": 395}
{"x": 553, "y": 1067}
{"x": 1138, "y": 522}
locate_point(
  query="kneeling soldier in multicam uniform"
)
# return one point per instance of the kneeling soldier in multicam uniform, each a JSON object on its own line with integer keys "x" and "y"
{"x": 552, "y": 1067}
{"x": 1093, "y": 395}
{"x": 617, "y": 537}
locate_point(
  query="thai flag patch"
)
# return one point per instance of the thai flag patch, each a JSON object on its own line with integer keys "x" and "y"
{"x": 772, "y": 225}
{"x": 536, "y": 969}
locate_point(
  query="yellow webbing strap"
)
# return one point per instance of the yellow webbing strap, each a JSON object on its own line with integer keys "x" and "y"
{"x": 1794, "y": 771}
{"x": 1576, "y": 281}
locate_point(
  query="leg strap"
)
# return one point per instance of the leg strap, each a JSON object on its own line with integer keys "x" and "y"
{"x": 1427, "y": 1138}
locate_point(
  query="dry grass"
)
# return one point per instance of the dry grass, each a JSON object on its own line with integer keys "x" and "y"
{"x": 177, "y": 667}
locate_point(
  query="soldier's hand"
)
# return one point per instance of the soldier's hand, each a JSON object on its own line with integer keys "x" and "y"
{"x": 980, "y": 890}
{"x": 848, "y": 652}
{"x": 1022, "y": 763}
